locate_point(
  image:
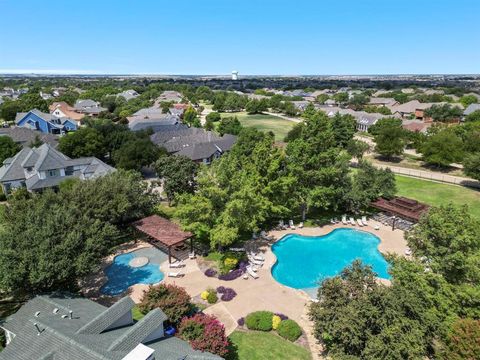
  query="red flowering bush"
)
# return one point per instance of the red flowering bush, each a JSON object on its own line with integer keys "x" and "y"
{"x": 173, "y": 300}
{"x": 204, "y": 333}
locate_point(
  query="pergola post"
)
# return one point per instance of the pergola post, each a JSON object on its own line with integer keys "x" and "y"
{"x": 169, "y": 254}
{"x": 191, "y": 245}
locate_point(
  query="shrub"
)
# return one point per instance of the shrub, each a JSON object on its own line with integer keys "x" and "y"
{"x": 173, "y": 300}
{"x": 229, "y": 263}
{"x": 463, "y": 340}
{"x": 210, "y": 272}
{"x": 234, "y": 274}
{"x": 212, "y": 297}
{"x": 204, "y": 333}
{"x": 289, "y": 329}
{"x": 241, "y": 321}
{"x": 276, "y": 321}
{"x": 204, "y": 295}
{"x": 282, "y": 316}
{"x": 227, "y": 293}
{"x": 259, "y": 320}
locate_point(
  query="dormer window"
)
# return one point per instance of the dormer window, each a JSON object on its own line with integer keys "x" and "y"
{"x": 52, "y": 173}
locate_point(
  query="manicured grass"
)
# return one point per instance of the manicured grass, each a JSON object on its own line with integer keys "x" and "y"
{"x": 436, "y": 194}
{"x": 280, "y": 127}
{"x": 264, "y": 346}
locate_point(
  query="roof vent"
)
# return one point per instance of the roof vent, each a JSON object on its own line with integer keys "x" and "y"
{"x": 38, "y": 328}
{"x": 55, "y": 311}
{"x": 70, "y": 313}
{"x": 64, "y": 316}
{"x": 37, "y": 314}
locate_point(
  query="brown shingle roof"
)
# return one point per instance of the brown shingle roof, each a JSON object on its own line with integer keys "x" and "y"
{"x": 162, "y": 230}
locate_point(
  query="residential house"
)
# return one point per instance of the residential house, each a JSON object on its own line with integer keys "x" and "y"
{"x": 62, "y": 109}
{"x": 67, "y": 327}
{"x": 45, "y": 123}
{"x": 471, "y": 108}
{"x": 153, "y": 118}
{"x": 379, "y": 101}
{"x": 415, "y": 125}
{"x": 178, "y": 112}
{"x": 45, "y": 167}
{"x": 88, "y": 107}
{"x": 364, "y": 120}
{"x": 330, "y": 102}
{"x": 25, "y": 137}
{"x": 169, "y": 96}
{"x": 412, "y": 108}
{"x": 45, "y": 96}
{"x": 197, "y": 144}
{"x": 300, "y": 105}
{"x": 129, "y": 94}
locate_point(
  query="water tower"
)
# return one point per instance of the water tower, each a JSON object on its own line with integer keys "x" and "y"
{"x": 234, "y": 75}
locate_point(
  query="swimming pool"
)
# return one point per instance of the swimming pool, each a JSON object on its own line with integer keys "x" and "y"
{"x": 304, "y": 261}
{"x": 121, "y": 275}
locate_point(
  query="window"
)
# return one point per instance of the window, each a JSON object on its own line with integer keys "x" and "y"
{"x": 52, "y": 173}
{"x": 69, "y": 170}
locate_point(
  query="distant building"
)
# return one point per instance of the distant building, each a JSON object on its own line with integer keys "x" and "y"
{"x": 153, "y": 118}
{"x": 169, "y": 96}
{"x": 471, "y": 108}
{"x": 25, "y": 137}
{"x": 62, "y": 109}
{"x": 234, "y": 75}
{"x": 196, "y": 144}
{"x": 44, "y": 167}
{"x": 45, "y": 123}
{"x": 129, "y": 94}
{"x": 68, "y": 327}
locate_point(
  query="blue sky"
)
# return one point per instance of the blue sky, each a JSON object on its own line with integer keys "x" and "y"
{"x": 251, "y": 36}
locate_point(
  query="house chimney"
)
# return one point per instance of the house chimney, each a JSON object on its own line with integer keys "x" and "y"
{"x": 38, "y": 328}
{"x": 70, "y": 313}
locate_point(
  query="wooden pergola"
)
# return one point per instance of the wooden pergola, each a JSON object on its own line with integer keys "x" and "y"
{"x": 402, "y": 207}
{"x": 162, "y": 230}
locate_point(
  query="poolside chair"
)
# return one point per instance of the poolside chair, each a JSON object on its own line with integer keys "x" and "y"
{"x": 300, "y": 226}
{"x": 176, "y": 264}
{"x": 408, "y": 251}
{"x": 175, "y": 274}
{"x": 255, "y": 262}
{"x": 332, "y": 221}
{"x": 376, "y": 227}
{"x": 344, "y": 219}
{"x": 281, "y": 225}
{"x": 364, "y": 221}
{"x": 359, "y": 222}
{"x": 291, "y": 225}
{"x": 352, "y": 221}
{"x": 191, "y": 255}
{"x": 252, "y": 273}
{"x": 258, "y": 257}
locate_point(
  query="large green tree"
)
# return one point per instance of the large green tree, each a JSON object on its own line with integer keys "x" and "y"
{"x": 136, "y": 153}
{"x": 442, "y": 148}
{"x": 86, "y": 141}
{"x": 389, "y": 137}
{"x": 8, "y": 148}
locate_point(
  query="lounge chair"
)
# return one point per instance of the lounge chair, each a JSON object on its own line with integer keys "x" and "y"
{"x": 252, "y": 273}
{"x": 300, "y": 225}
{"x": 359, "y": 222}
{"x": 376, "y": 227}
{"x": 408, "y": 251}
{"x": 335, "y": 220}
{"x": 332, "y": 221}
{"x": 191, "y": 255}
{"x": 258, "y": 257}
{"x": 177, "y": 264}
{"x": 364, "y": 221}
{"x": 352, "y": 221}
{"x": 175, "y": 274}
{"x": 344, "y": 220}
{"x": 281, "y": 225}
{"x": 254, "y": 261}
{"x": 291, "y": 225}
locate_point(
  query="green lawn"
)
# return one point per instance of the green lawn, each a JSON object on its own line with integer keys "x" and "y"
{"x": 280, "y": 127}
{"x": 265, "y": 346}
{"x": 436, "y": 194}
{"x": 137, "y": 314}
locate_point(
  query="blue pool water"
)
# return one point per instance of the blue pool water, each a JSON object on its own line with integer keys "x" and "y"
{"x": 304, "y": 261}
{"x": 121, "y": 275}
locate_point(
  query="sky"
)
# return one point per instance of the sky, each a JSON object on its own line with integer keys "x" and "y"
{"x": 255, "y": 37}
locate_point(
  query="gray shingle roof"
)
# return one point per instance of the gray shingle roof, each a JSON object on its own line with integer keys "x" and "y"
{"x": 59, "y": 337}
{"x": 105, "y": 319}
{"x": 25, "y": 137}
{"x": 471, "y": 108}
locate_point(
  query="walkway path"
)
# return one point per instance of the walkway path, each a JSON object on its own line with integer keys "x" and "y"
{"x": 285, "y": 117}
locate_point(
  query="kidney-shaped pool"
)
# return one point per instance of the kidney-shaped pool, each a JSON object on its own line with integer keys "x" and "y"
{"x": 304, "y": 261}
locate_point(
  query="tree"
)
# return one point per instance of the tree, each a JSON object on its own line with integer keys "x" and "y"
{"x": 474, "y": 116}
{"x": 357, "y": 148}
{"x": 389, "y": 137}
{"x": 190, "y": 116}
{"x": 136, "y": 153}
{"x": 358, "y": 101}
{"x": 9, "y": 110}
{"x": 295, "y": 132}
{"x": 209, "y": 125}
{"x": 378, "y": 109}
{"x": 8, "y": 148}
{"x": 449, "y": 238}
{"x": 341, "y": 97}
{"x": 289, "y": 109}
{"x": 86, "y": 141}
{"x": 471, "y": 166}
{"x": 344, "y": 127}
{"x": 36, "y": 142}
{"x": 178, "y": 174}
{"x": 255, "y": 106}
{"x": 466, "y": 100}
{"x": 442, "y": 149}
{"x": 229, "y": 125}
{"x": 173, "y": 300}
{"x": 463, "y": 340}
{"x": 213, "y": 116}
{"x": 33, "y": 100}
{"x": 322, "y": 98}
{"x": 444, "y": 113}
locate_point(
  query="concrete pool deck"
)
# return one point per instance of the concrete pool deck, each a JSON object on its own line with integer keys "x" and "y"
{"x": 264, "y": 293}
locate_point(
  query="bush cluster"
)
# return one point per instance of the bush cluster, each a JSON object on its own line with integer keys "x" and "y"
{"x": 267, "y": 321}
{"x": 259, "y": 320}
{"x": 210, "y": 296}
{"x": 210, "y": 272}
{"x": 289, "y": 329}
{"x": 204, "y": 333}
{"x": 227, "y": 293}
{"x": 234, "y": 274}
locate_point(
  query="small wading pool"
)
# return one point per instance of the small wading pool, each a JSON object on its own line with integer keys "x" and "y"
{"x": 304, "y": 261}
{"x": 136, "y": 267}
